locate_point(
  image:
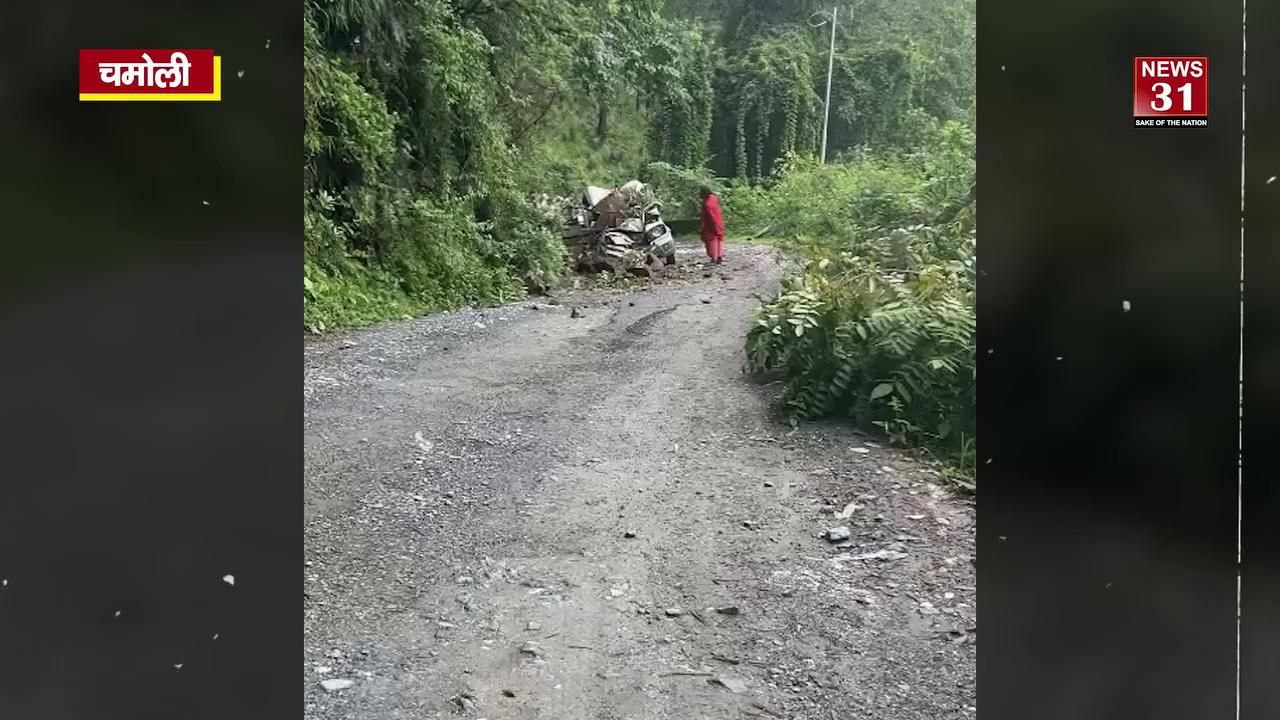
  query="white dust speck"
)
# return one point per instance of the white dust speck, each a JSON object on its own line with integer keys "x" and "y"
{"x": 268, "y": 45}
{"x": 117, "y": 613}
{"x": 4, "y": 582}
{"x": 991, "y": 351}
{"x": 1003, "y": 538}
{"x": 177, "y": 666}
{"x": 204, "y": 203}
{"x": 989, "y": 460}
{"x": 1126, "y": 306}
{"x": 1001, "y": 68}
{"x": 229, "y": 579}
{"x": 1271, "y": 179}
{"x": 1059, "y": 358}
{"x": 215, "y": 636}
{"x": 239, "y": 73}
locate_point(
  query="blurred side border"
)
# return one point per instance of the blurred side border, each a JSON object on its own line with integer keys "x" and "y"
{"x": 149, "y": 310}
{"x": 1109, "y": 356}
{"x": 1260, "y": 501}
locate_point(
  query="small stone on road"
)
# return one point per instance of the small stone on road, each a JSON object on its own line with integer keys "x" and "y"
{"x": 336, "y": 684}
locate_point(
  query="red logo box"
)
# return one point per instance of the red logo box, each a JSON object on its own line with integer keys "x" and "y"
{"x": 150, "y": 74}
{"x": 1171, "y": 86}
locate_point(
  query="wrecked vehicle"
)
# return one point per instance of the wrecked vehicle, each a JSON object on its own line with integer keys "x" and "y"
{"x": 621, "y": 231}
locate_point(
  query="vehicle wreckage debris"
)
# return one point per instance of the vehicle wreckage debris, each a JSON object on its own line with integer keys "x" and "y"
{"x": 620, "y": 231}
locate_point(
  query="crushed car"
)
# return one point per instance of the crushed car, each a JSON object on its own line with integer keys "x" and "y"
{"x": 620, "y": 230}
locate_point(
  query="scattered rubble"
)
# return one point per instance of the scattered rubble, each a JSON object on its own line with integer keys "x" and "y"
{"x": 848, "y": 511}
{"x": 465, "y": 701}
{"x": 336, "y": 684}
{"x": 735, "y": 685}
{"x": 885, "y": 554}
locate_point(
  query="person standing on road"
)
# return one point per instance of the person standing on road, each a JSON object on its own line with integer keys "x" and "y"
{"x": 712, "y": 226}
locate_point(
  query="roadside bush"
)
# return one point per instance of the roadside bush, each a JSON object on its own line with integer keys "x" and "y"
{"x": 850, "y": 204}
{"x": 879, "y": 324}
{"x": 433, "y": 256}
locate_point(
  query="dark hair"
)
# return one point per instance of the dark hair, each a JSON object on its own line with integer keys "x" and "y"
{"x": 706, "y": 191}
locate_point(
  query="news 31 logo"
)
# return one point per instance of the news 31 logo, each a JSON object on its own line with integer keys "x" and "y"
{"x": 132, "y": 75}
{"x": 1171, "y": 91}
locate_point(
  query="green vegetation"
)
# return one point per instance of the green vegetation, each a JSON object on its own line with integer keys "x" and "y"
{"x": 434, "y": 127}
{"x": 879, "y": 326}
{"x": 442, "y": 136}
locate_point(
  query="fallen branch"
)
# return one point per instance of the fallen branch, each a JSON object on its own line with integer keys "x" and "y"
{"x": 686, "y": 673}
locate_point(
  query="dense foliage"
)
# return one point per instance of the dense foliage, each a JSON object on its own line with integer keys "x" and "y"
{"x": 900, "y": 68}
{"x": 879, "y": 326}
{"x": 440, "y": 133}
{"x": 432, "y": 125}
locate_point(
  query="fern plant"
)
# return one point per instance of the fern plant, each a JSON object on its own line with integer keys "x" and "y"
{"x": 892, "y": 348}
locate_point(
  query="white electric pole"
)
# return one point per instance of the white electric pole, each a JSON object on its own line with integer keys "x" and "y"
{"x": 826, "y": 107}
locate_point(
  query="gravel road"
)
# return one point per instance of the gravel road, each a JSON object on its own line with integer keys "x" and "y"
{"x": 518, "y": 513}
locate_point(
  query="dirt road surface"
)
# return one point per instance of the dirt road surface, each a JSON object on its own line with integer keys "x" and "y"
{"x": 517, "y": 513}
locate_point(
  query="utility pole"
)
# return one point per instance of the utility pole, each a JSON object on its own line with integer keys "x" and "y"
{"x": 826, "y": 107}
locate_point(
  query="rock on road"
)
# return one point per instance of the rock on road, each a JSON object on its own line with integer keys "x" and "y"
{"x": 516, "y": 513}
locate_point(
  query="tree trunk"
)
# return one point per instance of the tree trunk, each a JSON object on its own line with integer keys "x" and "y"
{"x": 602, "y": 122}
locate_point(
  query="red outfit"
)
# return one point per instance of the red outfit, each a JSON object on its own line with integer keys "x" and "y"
{"x": 712, "y": 228}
